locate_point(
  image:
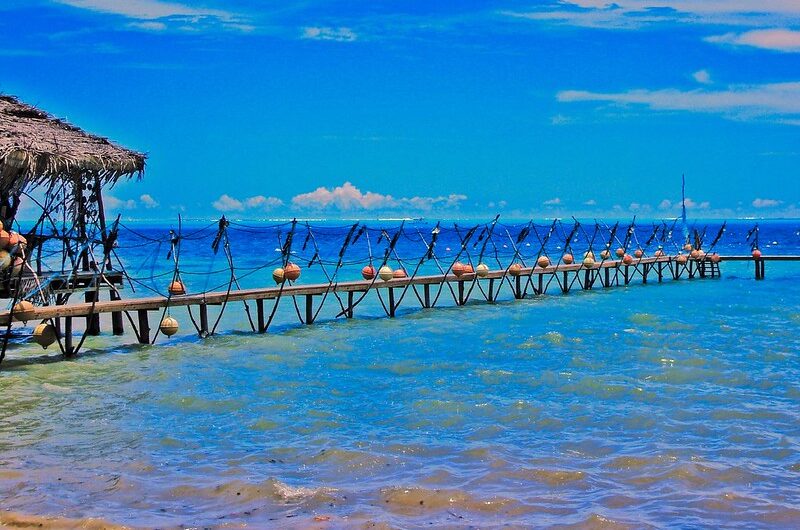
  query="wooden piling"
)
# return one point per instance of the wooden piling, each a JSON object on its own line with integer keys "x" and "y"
{"x": 204, "y": 318}
{"x": 144, "y": 327}
{"x": 309, "y": 309}
{"x": 117, "y": 325}
{"x": 69, "y": 349}
{"x": 93, "y": 320}
{"x": 391, "y": 302}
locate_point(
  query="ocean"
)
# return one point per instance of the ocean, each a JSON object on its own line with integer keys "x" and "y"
{"x": 669, "y": 405}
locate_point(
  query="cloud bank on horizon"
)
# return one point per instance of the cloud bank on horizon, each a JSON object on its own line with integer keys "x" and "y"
{"x": 556, "y": 107}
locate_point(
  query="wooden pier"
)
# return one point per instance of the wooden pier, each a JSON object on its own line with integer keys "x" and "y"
{"x": 426, "y": 290}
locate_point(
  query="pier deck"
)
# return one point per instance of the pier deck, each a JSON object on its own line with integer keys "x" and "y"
{"x": 530, "y": 280}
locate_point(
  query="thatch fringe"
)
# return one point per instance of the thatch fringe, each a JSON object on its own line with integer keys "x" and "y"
{"x": 39, "y": 149}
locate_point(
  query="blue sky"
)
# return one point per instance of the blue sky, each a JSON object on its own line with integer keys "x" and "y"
{"x": 333, "y": 109}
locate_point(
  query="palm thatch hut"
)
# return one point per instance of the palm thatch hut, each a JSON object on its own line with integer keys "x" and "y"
{"x": 63, "y": 170}
{"x": 39, "y": 150}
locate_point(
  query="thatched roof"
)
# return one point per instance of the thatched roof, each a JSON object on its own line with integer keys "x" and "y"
{"x": 37, "y": 148}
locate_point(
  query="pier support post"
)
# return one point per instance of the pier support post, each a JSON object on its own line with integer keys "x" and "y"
{"x": 69, "y": 349}
{"x": 540, "y": 290}
{"x": 660, "y": 269}
{"x": 645, "y": 272}
{"x": 626, "y": 274}
{"x": 517, "y": 287}
{"x": 117, "y": 326}
{"x": 349, "y": 312}
{"x": 461, "y": 300}
{"x": 426, "y": 293}
{"x": 391, "y": 302}
{"x": 144, "y": 327}
{"x": 587, "y": 279}
{"x": 491, "y": 291}
{"x": 309, "y": 309}
{"x": 759, "y": 263}
{"x": 565, "y": 283}
{"x": 92, "y": 321}
{"x": 204, "y": 317}
{"x": 607, "y": 274}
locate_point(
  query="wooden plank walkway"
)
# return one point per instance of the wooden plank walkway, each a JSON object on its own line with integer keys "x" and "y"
{"x": 529, "y": 280}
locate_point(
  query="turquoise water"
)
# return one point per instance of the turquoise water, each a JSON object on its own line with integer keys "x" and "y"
{"x": 672, "y": 405}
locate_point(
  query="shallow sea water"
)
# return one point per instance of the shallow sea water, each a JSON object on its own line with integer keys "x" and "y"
{"x": 661, "y": 406}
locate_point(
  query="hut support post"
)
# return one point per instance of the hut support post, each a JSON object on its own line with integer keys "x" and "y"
{"x": 144, "y": 327}
{"x": 491, "y": 291}
{"x": 93, "y": 320}
{"x": 461, "y": 292}
{"x": 426, "y": 292}
{"x": 608, "y": 277}
{"x": 391, "y": 302}
{"x": 517, "y": 287}
{"x": 117, "y": 326}
{"x": 645, "y": 271}
{"x": 540, "y": 290}
{"x": 349, "y": 312}
{"x": 565, "y": 284}
{"x": 660, "y": 269}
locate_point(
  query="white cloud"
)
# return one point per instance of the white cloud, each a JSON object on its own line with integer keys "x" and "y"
{"x": 148, "y": 201}
{"x": 666, "y": 204}
{"x": 146, "y": 9}
{"x": 590, "y": 202}
{"x": 226, "y": 203}
{"x": 328, "y": 33}
{"x": 692, "y": 205}
{"x": 766, "y": 203}
{"x": 702, "y": 76}
{"x": 777, "y": 101}
{"x": 114, "y": 204}
{"x": 552, "y": 202}
{"x": 265, "y": 203}
{"x": 348, "y": 197}
{"x": 783, "y": 40}
{"x": 634, "y": 14}
{"x": 149, "y": 26}
{"x": 560, "y": 119}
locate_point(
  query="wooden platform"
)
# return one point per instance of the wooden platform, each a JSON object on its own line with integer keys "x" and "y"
{"x": 530, "y": 280}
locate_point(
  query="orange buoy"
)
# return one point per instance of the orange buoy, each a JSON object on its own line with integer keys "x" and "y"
{"x": 605, "y": 254}
{"x": 659, "y": 253}
{"x": 568, "y": 259}
{"x": 638, "y": 253}
{"x": 756, "y": 253}
{"x": 177, "y": 288}
{"x": 291, "y": 272}
{"x": 4, "y": 238}
{"x": 44, "y": 335}
{"x": 13, "y": 239}
{"x": 5, "y": 260}
{"x": 715, "y": 258}
{"x": 458, "y": 269}
{"x": 588, "y": 261}
{"x": 687, "y": 247}
{"x": 24, "y": 311}
{"x": 169, "y": 326}
{"x": 399, "y": 274}
{"x": 515, "y": 269}
{"x": 620, "y": 252}
{"x": 682, "y": 258}
{"x": 627, "y": 259}
{"x": 543, "y": 261}
{"x": 278, "y": 275}
{"x": 368, "y": 272}
{"x": 694, "y": 254}
{"x": 386, "y": 273}
{"x": 468, "y": 269}
{"x": 701, "y": 253}
{"x": 483, "y": 270}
